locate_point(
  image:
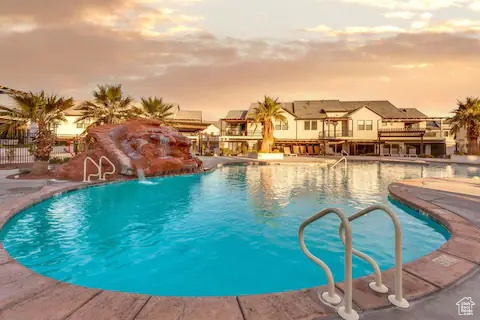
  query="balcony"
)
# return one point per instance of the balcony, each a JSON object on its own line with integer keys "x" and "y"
{"x": 335, "y": 134}
{"x": 401, "y": 132}
{"x": 241, "y": 133}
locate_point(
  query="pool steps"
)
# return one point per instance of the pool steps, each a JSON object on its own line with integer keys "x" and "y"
{"x": 346, "y": 312}
{"x": 99, "y": 169}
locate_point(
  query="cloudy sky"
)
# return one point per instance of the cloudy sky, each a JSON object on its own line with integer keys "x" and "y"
{"x": 216, "y": 55}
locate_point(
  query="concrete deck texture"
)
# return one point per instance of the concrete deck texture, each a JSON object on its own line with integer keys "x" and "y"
{"x": 433, "y": 284}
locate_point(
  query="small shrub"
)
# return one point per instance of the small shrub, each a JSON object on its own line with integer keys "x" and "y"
{"x": 225, "y": 151}
{"x": 276, "y": 151}
{"x": 58, "y": 160}
{"x": 10, "y": 153}
{"x": 427, "y": 156}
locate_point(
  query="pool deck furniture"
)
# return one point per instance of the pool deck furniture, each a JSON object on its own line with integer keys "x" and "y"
{"x": 433, "y": 283}
{"x": 286, "y": 151}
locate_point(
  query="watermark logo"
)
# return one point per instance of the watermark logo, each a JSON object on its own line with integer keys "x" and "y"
{"x": 465, "y": 306}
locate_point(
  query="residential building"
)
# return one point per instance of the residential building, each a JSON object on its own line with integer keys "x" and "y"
{"x": 71, "y": 128}
{"x": 203, "y": 134}
{"x": 330, "y": 126}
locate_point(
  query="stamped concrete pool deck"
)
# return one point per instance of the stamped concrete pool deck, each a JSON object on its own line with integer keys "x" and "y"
{"x": 433, "y": 284}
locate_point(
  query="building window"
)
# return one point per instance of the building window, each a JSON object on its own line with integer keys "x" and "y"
{"x": 82, "y": 125}
{"x": 307, "y": 125}
{"x": 311, "y": 125}
{"x": 361, "y": 124}
{"x": 369, "y": 125}
{"x": 281, "y": 125}
{"x": 446, "y": 133}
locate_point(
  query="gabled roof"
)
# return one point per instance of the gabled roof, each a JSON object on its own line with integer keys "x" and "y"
{"x": 187, "y": 115}
{"x": 236, "y": 114}
{"x": 433, "y": 125}
{"x": 216, "y": 124}
{"x": 383, "y": 108}
{"x": 412, "y": 113}
{"x": 316, "y": 109}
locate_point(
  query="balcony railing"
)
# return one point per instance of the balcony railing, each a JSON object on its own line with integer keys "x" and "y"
{"x": 400, "y": 130}
{"x": 335, "y": 134}
{"x": 242, "y": 133}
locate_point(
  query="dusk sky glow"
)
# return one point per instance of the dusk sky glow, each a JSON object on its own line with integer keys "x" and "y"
{"x": 217, "y": 55}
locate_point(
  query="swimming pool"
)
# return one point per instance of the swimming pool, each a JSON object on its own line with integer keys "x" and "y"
{"x": 229, "y": 232}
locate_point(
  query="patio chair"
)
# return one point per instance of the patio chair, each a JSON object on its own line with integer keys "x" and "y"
{"x": 316, "y": 149}
{"x": 412, "y": 153}
{"x": 310, "y": 150}
{"x": 303, "y": 150}
{"x": 286, "y": 151}
{"x": 296, "y": 149}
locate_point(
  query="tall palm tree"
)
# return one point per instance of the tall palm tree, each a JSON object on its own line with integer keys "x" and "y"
{"x": 108, "y": 106}
{"x": 264, "y": 113}
{"x": 38, "y": 111}
{"x": 155, "y": 108}
{"x": 467, "y": 116}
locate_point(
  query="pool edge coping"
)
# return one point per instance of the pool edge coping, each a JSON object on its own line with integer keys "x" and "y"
{"x": 453, "y": 222}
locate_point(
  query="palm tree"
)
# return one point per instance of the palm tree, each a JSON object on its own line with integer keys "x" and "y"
{"x": 467, "y": 116}
{"x": 154, "y": 108}
{"x": 108, "y": 106}
{"x": 38, "y": 111}
{"x": 264, "y": 113}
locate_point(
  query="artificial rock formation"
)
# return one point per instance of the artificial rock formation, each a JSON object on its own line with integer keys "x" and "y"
{"x": 135, "y": 146}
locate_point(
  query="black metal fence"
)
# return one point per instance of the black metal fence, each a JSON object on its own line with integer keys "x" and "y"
{"x": 19, "y": 150}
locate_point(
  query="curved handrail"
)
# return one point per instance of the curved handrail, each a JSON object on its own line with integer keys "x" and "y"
{"x": 341, "y": 159}
{"x": 344, "y": 153}
{"x": 85, "y": 178}
{"x": 396, "y": 299}
{"x": 330, "y": 296}
{"x": 107, "y": 172}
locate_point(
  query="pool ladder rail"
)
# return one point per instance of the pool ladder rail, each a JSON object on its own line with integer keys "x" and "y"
{"x": 99, "y": 169}
{"x": 346, "y": 312}
{"x": 343, "y": 158}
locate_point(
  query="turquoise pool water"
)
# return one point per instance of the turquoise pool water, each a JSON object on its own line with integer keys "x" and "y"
{"x": 232, "y": 231}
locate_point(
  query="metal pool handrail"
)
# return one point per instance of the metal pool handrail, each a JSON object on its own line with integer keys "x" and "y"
{"x": 85, "y": 178}
{"x": 341, "y": 159}
{"x": 99, "y": 169}
{"x": 107, "y": 172}
{"x": 397, "y": 299}
{"x": 346, "y": 312}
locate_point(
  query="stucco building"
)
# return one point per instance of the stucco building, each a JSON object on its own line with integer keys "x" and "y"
{"x": 330, "y": 126}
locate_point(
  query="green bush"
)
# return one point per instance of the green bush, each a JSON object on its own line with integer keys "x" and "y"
{"x": 225, "y": 151}
{"x": 58, "y": 160}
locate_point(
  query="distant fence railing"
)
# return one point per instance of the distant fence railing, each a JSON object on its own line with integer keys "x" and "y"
{"x": 19, "y": 150}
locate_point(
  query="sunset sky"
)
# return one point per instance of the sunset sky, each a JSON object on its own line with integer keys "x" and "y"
{"x": 216, "y": 55}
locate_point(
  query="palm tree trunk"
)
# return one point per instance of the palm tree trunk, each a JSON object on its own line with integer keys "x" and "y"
{"x": 43, "y": 148}
{"x": 267, "y": 141}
